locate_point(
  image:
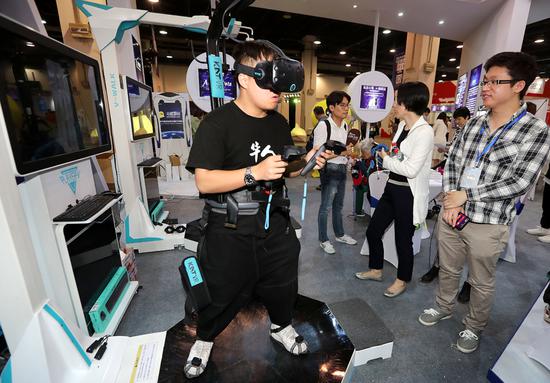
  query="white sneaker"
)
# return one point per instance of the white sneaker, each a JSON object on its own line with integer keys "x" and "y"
{"x": 290, "y": 339}
{"x": 544, "y": 239}
{"x": 327, "y": 247}
{"x": 346, "y": 239}
{"x": 198, "y": 358}
{"x": 538, "y": 231}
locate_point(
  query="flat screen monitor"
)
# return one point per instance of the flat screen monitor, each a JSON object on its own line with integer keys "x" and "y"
{"x": 373, "y": 97}
{"x": 229, "y": 89}
{"x": 140, "y": 100}
{"x": 52, "y": 100}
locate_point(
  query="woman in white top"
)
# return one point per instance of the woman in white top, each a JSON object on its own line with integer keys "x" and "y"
{"x": 406, "y": 196}
{"x": 440, "y": 138}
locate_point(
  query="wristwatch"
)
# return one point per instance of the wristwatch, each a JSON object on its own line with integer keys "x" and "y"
{"x": 249, "y": 179}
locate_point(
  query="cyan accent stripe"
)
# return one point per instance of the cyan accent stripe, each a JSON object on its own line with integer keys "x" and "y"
{"x": 129, "y": 239}
{"x": 67, "y": 330}
{"x": 5, "y": 377}
{"x": 230, "y": 26}
{"x": 80, "y": 4}
{"x": 196, "y": 30}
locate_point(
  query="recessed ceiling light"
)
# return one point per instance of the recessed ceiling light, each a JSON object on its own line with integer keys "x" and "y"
{"x": 459, "y": 46}
{"x": 443, "y": 75}
{"x": 452, "y": 59}
{"x": 169, "y": 57}
{"x": 386, "y": 31}
{"x": 43, "y": 21}
{"x": 440, "y": 81}
{"x": 392, "y": 50}
{"x": 30, "y": 44}
{"x": 343, "y": 52}
{"x": 317, "y": 42}
{"x": 458, "y": 67}
{"x": 287, "y": 16}
{"x": 441, "y": 22}
{"x": 354, "y": 5}
{"x": 163, "y": 32}
{"x": 348, "y": 65}
{"x": 357, "y": 72}
{"x": 401, "y": 14}
{"x": 538, "y": 41}
{"x": 153, "y": 1}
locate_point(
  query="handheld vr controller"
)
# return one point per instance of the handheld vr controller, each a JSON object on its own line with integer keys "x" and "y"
{"x": 335, "y": 146}
{"x": 292, "y": 153}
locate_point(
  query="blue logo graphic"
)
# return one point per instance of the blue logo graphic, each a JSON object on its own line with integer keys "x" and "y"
{"x": 70, "y": 177}
{"x": 193, "y": 272}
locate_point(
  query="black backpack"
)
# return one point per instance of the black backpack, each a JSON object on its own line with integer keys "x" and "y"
{"x": 309, "y": 144}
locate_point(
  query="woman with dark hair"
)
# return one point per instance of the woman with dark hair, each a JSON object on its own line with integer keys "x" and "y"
{"x": 440, "y": 138}
{"x": 405, "y": 198}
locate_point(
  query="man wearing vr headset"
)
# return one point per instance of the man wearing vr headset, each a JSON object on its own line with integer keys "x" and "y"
{"x": 237, "y": 149}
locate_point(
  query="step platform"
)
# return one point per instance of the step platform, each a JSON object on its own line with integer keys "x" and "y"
{"x": 245, "y": 352}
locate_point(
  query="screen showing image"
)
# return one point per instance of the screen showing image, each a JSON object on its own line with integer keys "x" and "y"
{"x": 461, "y": 90}
{"x": 473, "y": 89}
{"x": 475, "y": 76}
{"x": 230, "y": 90}
{"x": 373, "y": 97}
{"x": 52, "y": 100}
{"x": 141, "y": 109}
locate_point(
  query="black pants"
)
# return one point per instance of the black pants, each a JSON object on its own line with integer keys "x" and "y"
{"x": 238, "y": 268}
{"x": 545, "y": 219}
{"x": 395, "y": 205}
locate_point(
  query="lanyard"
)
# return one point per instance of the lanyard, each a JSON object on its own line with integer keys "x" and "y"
{"x": 496, "y": 137}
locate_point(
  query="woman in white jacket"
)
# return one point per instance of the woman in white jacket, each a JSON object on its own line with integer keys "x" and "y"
{"x": 405, "y": 199}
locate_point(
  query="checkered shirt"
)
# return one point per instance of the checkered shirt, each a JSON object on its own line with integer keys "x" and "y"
{"x": 508, "y": 169}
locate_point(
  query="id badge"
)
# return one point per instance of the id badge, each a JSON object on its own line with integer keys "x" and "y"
{"x": 470, "y": 178}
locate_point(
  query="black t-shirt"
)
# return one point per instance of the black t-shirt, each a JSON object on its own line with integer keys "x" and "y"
{"x": 229, "y": 139}
{"x": 395, "y": 176}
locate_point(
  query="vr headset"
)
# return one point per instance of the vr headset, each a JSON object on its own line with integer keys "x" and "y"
{"x": 282, "y": 75}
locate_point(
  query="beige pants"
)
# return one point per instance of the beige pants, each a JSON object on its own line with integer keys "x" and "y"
{"x": 480, "y": 245}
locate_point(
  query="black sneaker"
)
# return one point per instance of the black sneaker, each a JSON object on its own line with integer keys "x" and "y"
{"x": 464, "y": 295}
{"x": 430, "y": 275}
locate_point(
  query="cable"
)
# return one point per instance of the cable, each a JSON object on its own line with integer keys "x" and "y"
{"x": 193, "y": 53}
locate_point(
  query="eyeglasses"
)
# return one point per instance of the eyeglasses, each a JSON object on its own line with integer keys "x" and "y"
{"x": 493, "y": 83}
{"x": 343, "y": 106}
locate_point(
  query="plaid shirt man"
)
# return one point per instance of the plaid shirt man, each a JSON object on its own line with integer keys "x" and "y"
{"x": 508, "y": 169}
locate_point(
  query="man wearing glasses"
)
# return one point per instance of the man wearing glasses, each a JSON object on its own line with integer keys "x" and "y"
{"x": 495, "y": 159}
{"x": 333, "y": 176}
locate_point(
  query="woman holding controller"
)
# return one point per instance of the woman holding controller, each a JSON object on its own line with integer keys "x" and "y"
{"x": 405, "y": 198}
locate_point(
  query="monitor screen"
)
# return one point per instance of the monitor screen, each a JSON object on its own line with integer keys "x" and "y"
{"x": 373, "y": 97}
{"x": 140, "y": 101}
{"x": 230, "y": 89}
{"x": 52, "y": 100}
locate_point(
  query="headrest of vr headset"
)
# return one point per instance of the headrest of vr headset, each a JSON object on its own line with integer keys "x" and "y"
{"x": 282, "y": 75}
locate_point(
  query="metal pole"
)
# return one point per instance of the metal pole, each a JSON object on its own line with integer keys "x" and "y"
{"x": 375, "y": 41}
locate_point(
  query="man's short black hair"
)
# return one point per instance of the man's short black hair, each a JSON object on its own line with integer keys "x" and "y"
{"x": 318, "y": 110}
{"x": 336, "y": 97}
{"x": 520, "y": 66}
{"x": 442, "y": 116}
{"x": 462, "y": 112}
{"x": 427, "y": 110}
{"x": 531, "y": 107}
{"x": 414, "y": 96}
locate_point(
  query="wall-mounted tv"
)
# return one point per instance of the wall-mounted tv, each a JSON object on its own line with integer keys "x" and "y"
{"x": 140, "y": 101}
{"x": 52, "y": 100}
{"x": 229, "y": 86}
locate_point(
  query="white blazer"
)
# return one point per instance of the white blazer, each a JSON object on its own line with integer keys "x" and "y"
{"x": 417, "y": 150}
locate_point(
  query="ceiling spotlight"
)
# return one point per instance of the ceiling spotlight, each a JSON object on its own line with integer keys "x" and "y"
{"x": 538, "y": 41}
{"x": 348, "y": 65}
{"x": 354, "y": 5}
{"x": 392, "y": 50}
{"x": 317, "y": 42}
{"x": 169, "y": 57}
{"x": 441, "y": 22}
{"x": 287, "y": 16}
{"x": 386, "y": 31}
{"x": 459, "y": 46}
{"x": 43, "y": 21}
{"x": 458, "y": 67}
{"x": 357, "y": 72}
{"x": 163, "y": 32}
{"x": 30, "y": 44}
{"x": 401, "y": 14}
{"x": 343, "y": 52}
{"x": 153, "y": 1}
{"x": 452, "y": 59}
{"x": 443, "y": 75}
{"x": 440, "y": 81}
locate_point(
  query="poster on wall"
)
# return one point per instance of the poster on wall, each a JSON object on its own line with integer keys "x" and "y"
{"x": 473, "y": 89}
{"x": 137, "y": 60}
{"x": 461, "y": 84}
{"x": 398, "y": 67}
